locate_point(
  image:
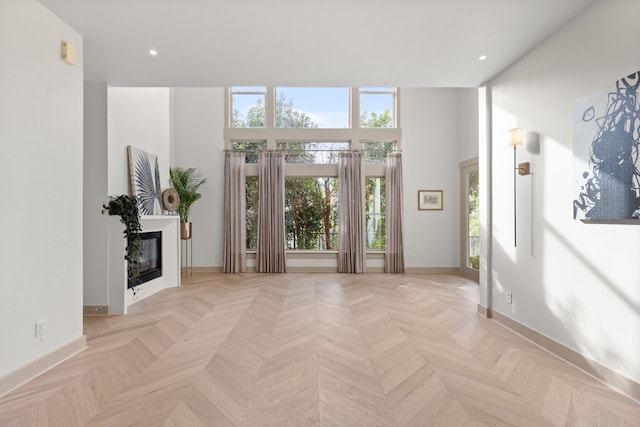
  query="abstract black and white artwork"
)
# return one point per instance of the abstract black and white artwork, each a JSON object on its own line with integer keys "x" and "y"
{"x": 144, "y": 177}
{"x": 606, "y": 139}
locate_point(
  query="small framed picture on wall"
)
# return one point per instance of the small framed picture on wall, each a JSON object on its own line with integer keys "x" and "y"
{"x": 430, "y": 200}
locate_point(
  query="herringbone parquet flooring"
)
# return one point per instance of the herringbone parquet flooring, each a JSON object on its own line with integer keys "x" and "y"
{"x": 304, "y": 350}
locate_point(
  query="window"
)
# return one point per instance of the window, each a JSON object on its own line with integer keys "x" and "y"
{"x": 251, "y": 148}
{"x": 312, "y": 107}
{"x": 312, "y": 125}
{"x": 252, "y": 212}
{"x": 247, "y": 106}
{"x": 376, "y": 152}
{"x": 311, "y": 213}
{"x": 473, "y": 222}
{"x": 375, "y": 213}
{"x": 312, "y": 152}
{"x": 470, "y": 219}
{"x": 377, "y": 107}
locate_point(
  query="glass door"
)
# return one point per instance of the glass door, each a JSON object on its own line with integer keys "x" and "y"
{"x": 470, "y": 219}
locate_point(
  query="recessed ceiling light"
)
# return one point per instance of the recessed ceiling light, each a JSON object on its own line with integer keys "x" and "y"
{"x": 153, "y": 52}
{"x": 482, "y": 57}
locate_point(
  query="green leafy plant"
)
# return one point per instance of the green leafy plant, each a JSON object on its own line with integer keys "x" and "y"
{"x": 474, "y": 262}
{"x": 186, "y": 181}
{"x": 126, "y": 207}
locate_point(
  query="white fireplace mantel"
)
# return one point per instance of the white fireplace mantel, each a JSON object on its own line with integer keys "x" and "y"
{"x": 119, "y": 296}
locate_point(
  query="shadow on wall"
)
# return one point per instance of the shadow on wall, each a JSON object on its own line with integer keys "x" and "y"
{"x": 572, "y": 312}
{"x": 569, "y": 314}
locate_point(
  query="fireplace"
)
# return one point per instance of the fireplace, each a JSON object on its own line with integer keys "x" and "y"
{"x": 150, "y": 257}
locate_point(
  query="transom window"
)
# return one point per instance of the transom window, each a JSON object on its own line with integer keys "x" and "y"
{"x": 377, "y": 107}
{"x": 312, "y": 107}
{"x": 251, "y": 148}
{"x": 248, "y": 107}
{"x": 312, "y": 152}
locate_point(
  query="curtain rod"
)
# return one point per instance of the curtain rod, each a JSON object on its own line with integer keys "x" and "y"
{"x": 226, "y": 150}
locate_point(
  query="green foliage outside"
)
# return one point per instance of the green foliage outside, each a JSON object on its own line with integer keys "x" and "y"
{"x": 375, "y": 207}
{"x": 474, "y": 218}
{"x": 311, "y": 213}
{"x": 311, "y": 204}
{"x": 252, "y": 211}
{"x": 474, "y": 262}
{"x": 375, "y": 120}
{"x": 286, "y": 116}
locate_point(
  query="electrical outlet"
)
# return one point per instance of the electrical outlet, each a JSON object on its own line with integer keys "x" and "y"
{"x": 40, "y": 329}
{"x": 509, "y": 297}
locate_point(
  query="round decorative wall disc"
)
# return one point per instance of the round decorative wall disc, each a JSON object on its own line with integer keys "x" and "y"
{"x": 170, "y": 199}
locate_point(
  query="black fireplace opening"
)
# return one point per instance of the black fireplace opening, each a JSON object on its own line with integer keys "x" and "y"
{"x": 150, "y": 257}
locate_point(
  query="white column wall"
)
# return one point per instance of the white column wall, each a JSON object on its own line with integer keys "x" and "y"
{"x": 573, "y": 282}
{"x": 41, "y": 172}
{"x": 430, "y": 145}
{"x": 95, "y": 175}
{"x": 197, "y": 125}
{"x": 467, "y": 123}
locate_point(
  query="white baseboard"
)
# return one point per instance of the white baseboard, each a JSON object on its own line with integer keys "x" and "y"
{"x": 208, "y": 269}
{"x": 331, "y": 269}
{"x": 485, "y": 311}
{"x": 432, "y": 270}
{"x": 95, "y": 310}
{"x": 619, "y": 382}
{"x": 31, "y": 370}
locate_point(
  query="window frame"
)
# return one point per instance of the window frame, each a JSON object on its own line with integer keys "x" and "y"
{"x": 395, "y": 114}
{"x": 229, "y": 113}
{"x": 354, "y": 135}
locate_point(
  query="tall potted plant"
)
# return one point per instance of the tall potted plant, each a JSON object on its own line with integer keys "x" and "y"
{"x": 186, "y": 181}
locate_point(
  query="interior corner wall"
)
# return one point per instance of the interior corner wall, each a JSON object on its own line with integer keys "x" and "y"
{"x": 41, "y": 169}
{"x": 576, "y": 283}
{"x": 198, "y": 142}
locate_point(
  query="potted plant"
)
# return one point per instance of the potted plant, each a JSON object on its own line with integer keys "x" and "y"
{"x": 186, "y": 181}
{"x": 126, "y": 207}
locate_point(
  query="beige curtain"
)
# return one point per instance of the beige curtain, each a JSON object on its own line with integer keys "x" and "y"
{"x": 235, "y": 209}
{"x": 394, "y": 258}
{"x": 270, "y": 256}
{"x": 351, "y": 241}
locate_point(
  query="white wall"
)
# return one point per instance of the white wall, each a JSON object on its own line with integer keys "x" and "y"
{"x": 95, "y": 235}
{"x": 41, "y": 172}
{"x": 138, "y": 117}
{"x": 198, "y": 122}
{"x": 467, "y": 123}
{"x": 431, "y": 126}
{"x": 430, "y": 145}
{"x": 573, "y": 282}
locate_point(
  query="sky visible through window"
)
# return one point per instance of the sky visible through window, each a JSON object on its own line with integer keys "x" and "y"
{"x": 327, "y": 106}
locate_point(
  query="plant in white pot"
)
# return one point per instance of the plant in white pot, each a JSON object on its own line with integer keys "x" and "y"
{"x": 186, "y": 181}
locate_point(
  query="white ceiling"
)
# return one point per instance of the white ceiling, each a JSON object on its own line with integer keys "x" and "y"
{"x": 409, "y": 43}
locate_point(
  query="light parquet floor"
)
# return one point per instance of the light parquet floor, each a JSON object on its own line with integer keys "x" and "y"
{"x": 307, "y": 350}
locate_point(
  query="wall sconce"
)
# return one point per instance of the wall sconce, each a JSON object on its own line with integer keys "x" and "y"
{"x": 516, "y": 138}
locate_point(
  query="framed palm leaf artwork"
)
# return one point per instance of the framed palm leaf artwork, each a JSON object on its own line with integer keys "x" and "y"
{"x": 144, "y": 179}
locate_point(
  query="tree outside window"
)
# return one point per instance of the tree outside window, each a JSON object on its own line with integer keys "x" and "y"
{"x": 311, "y": 202}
